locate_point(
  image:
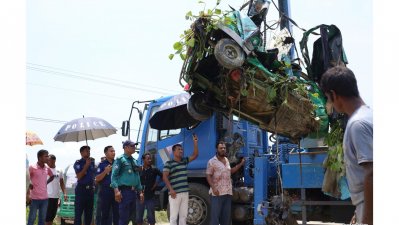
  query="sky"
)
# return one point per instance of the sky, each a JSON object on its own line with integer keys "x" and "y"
{"x": 94, "y": 58}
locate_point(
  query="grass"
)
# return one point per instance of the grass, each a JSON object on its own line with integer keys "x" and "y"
{"x": 35, "y": 223}
{"x": 160, "y": 217}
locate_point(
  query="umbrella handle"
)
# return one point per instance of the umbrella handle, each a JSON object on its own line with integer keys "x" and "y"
{"x": 85, "y": 134}
{"x": 86, "y": 138}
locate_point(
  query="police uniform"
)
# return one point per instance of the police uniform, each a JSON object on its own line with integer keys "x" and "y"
{"x": 84, "y": 193}
{"x": 107, "y": 196}
{"x": 126, "y": 178}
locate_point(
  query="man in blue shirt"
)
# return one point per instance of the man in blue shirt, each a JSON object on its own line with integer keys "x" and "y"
{"x": 106, "y": 193}
{"x": 125, "y": 180}
{"x": 84, "y": 191}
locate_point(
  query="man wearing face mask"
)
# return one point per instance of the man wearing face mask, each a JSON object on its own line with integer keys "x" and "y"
{"x": 218, "y": 175}
{"x": 339, "y": 84}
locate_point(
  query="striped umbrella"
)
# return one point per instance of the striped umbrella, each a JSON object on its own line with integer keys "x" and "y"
{"x": 31, "y": 139}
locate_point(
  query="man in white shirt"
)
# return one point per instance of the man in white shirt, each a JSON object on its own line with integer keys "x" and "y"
{"x": 53, "y": 190}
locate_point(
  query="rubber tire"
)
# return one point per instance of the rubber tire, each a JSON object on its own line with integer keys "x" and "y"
{"x": 196, "y": 109}
{"x": 229, "y": 54}
{"x": 201, "y": 191}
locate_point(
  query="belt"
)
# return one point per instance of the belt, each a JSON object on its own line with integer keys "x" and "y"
{"x": 125, "y": 187}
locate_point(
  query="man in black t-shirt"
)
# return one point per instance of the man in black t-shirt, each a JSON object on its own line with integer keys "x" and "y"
{"x": 148, "y": 178}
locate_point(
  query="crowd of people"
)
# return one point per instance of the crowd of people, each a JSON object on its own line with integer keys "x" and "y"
{"x": 126, "y": 188}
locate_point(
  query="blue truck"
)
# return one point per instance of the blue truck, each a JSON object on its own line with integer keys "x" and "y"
{"x": 280, "y": 180}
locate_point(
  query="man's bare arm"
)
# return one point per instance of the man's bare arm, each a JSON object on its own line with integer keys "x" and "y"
{"x": 368, "y": 193}
{"x": 238, "y": 166}
{"x": 195, "y": 153}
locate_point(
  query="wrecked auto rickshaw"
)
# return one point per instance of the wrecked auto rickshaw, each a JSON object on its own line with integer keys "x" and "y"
{"x": 228, "y": 69}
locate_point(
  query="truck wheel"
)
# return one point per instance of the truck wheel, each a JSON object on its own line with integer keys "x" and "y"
{"x": 199, "y": 205}
{"x": 229, "y": 54}
{"x": 196, "y": 108}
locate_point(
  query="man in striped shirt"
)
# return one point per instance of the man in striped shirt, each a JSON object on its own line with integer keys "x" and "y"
{"x": 175, "y": 178}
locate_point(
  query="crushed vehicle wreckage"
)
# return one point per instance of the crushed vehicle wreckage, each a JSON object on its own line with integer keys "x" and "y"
{"x": 228, "y": 69}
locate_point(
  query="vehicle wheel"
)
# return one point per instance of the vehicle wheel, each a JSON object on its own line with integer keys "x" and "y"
{"x": 197, "y": 109}
{"x": 199, "y": 205}
{"x": 229, "y": 54}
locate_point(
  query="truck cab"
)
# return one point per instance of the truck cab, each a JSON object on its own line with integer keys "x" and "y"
{"x": 243, "y": 140}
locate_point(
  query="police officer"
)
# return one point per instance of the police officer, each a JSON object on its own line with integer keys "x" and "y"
{"x": 84, "y": 191}
{"x": 125, "y": 180}
{"x": 106, "y": 193}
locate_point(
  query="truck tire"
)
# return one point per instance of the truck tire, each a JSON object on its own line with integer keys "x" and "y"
{"x": 229, "y": 54}
{"x": 199, "y": 205}
{"x": 196, "y": 108}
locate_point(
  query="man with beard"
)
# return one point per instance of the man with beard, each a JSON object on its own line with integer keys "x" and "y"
{"x": 218, "y": 175}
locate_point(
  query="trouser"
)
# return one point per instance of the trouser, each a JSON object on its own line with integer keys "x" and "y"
{"x": 221, "y": 210}
{"x": 127, "y": 205}
{"x": 178, "y": 208}
{"x": 37, "y": 205}
{"x": 84, "y": 201}
{"x": 52, "y": 207}
{"x": 108, "y": 204}
{"x": 149, "y": 205}
{"x": 98, "y": 210}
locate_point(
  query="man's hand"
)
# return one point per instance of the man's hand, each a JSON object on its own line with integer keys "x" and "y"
{"x": 108, "y": 169}
{"x": 118, "y": 196}
{"x": 88, "y": 161}
{"x": 141, "y": 197}
{"x": 28, "y": 199}
{"x": 215, "y": 191}
{"x": 195, "y": 138}
{"x": 242, "y": 161}
{"x": 65, "y": 197}
{"x": 173, "y": 193}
